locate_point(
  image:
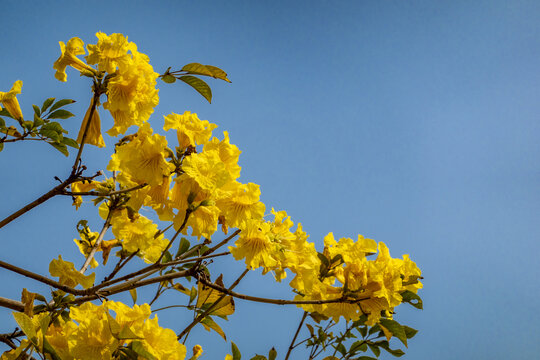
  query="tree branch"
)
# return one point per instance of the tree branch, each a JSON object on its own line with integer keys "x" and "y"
{"x": 11, "y": 304}
{"x": 279, "y": 301}
{"x": 41, "y": 278}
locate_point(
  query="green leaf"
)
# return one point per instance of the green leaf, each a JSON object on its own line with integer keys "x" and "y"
{"x": 61, "y": 103}
{"x": 342, "y": 349}
{"x": 193, "y": 294}
{"x": 4, "y": 112}
{"x": 70, "y": 142}
{"x": 133, "y": 293}
{"x": 359, "y": 345}
{"x": 183, "y": 247}
{"x": 386, "y": 346}
{"x": 2, "y": 123}
{"x": 411, "y": 298}
{"x": 409, "y": 331}
{"x": 310, "y": 328}
{"x": 217, "y": 73}
{"x": 323, "y": 259}
{"x": 375, "y": 349}
{"x": 166, "y": 257}
{"x": 138, "y": 347}
{"x": 27, "y": 327}
{"x": 235, "y": 352}
{"x": 37, "y": 111}
{"x": 60, "y": 147}
{"x": 258, "y": 357}
{"x": 38, "y": 121}
{"x": 1, "y": 146}
{"x": 168, "y": 78}
{"x": 54, "y": 126}
{"x": 46, "y": 104}
{"x": 362, "y": 330}
{"x": 395, "y": 328}
{"x": 209, "y": 323}
{"x": 28, "y": 125}
{"x": 199, "y": 85}
{"x": 206, "y": 70}
{"x": 60, "y": 114}
{"x": 272, "y": 354}
{"x": 48, "y": 349}
{"x": 374, "y": 329}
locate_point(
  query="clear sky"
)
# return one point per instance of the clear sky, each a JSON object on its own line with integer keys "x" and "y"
{"x": 415, "y": 123}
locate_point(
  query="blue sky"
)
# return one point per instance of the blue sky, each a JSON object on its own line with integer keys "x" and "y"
{"x": 414, "y": 123}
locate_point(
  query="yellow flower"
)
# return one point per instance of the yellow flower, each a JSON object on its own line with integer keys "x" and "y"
{"x": 93, "y": 136}
{"x": 240, "y": 202}
{"x": 162, "y": 343}
{"x": 74, "y": 47}
{"x": 132, "y": 94}
{"x": 65, "y": 270}
{"x": 207, "y": 170}
{"x": 197, "y": 351}
{"x": 81, "y": 186}
{"x": 138, "y": 235}
{"x": 228, "y": 153}
{"x": 256, "y": 246}
{"x": 143, "y": 160}
{"x": 189, "y": 129}
{"x": 111, "y": 52}
{"x": 9, "y": 100}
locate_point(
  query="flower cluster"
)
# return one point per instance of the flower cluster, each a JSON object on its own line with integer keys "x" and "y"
{"x": 194, "y": 186}
{"x": 91, "y": 332}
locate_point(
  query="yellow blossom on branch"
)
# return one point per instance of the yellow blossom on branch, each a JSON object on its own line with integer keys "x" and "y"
{"x": 10, "y": 102}
{"x": 68, "y": 57}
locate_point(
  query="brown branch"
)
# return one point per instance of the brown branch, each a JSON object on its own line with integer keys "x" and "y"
{"x": 7, "y": 338}
{"x": 279, "y": 301}
{"x": 95, "y": 193}
{"x": 220, "y": 244}
{"x": 41, "y": 278}
{"x": 134, "y": 284}
{"x": 11, "y": 304}
{"x": 57, "y": 190}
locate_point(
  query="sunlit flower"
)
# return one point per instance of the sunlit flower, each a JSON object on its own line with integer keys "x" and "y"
{"x": 9, "y": 100}
{"x": 74, "y": 47}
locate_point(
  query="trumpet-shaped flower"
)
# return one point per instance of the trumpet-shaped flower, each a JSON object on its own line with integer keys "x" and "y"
{"x": 10, "y": 102}
{"x": 142, "y": 160}
{"x": 132, "y": 94}
{"x": 240, "y": 202}
{"x": 138, "y": 234}
{"x": 110, "y": 52}
{"x": 228, "y": 153}
{"x": 93, "y": 135}
{"x": 191, "y": 131}
{"x": 74, "y": 47}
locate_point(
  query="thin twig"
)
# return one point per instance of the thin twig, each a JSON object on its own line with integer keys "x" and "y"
{"x": 98, "y": 242}
{"x": 95, "y": 193}
{"x": 291, "y": 347}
